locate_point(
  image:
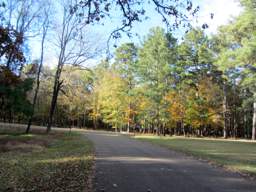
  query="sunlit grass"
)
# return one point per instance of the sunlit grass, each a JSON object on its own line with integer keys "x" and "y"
{"x": 235, "y": 155}
{"x": 39, "y": 162}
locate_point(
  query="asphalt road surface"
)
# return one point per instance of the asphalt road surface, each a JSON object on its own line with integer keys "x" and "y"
{"x": 127, "y": 165}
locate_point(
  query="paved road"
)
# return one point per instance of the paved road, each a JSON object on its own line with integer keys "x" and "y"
{"x": 127, "y": 165}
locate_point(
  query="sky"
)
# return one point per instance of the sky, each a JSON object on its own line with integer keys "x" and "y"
{"x": 223, "y": 11}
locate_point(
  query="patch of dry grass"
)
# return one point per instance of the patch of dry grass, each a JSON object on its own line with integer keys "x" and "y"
{"x": 40, "y": 162}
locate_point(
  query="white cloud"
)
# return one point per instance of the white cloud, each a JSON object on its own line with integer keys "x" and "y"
{"x": 223, "y": 11}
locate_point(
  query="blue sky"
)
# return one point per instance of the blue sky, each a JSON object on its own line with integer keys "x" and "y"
{"x": 223, "y": 11}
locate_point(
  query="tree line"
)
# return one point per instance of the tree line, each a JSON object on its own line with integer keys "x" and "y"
{"x": 200, "y": 85}
{"x": 65, "y": 26}
{"x": 197, "y": 84}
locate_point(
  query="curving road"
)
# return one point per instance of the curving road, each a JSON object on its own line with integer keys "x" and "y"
{"x": 127, "y": 165}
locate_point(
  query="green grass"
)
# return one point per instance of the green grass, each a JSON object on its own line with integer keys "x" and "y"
{"x": 39, "y": 162}
{"x": 234, "y": 155}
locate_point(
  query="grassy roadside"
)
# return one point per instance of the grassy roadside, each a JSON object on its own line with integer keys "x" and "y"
{"x": 233, "y": 155}
{"x": 39, "y": 162}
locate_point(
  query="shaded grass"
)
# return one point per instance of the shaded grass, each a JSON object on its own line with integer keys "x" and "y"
{"x": 234, "y": 155}
{"x": 39, "y": 162}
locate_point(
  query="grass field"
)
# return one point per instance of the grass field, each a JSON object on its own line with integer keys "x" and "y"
{"x": 40, "y": 162}
{"x": 234, "y": 155}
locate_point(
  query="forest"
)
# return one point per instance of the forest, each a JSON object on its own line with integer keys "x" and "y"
{"x": 194, "y": 84}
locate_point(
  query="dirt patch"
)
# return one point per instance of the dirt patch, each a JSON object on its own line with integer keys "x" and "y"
{"x": 7, "y": 145}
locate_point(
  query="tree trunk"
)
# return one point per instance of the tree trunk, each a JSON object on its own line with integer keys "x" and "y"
{"x": 235, "y": 125}
{"x": 56, "y": 89}
{"x": 95, "y": 126}
{"x": 129, "y": 115}
{"x": 128, "y": 125}
{"x": 254, "y": 121}
{"x": 224, "y": 110}
{"x": 84, "y": 120}
{"x": 183, "y": 128}
{"x": 37, "y": 79}
{"x": 246, "y": 131}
